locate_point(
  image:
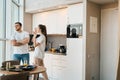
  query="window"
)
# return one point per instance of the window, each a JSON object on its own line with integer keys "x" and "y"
{"x": 10, "y": 12}
{"x": 2, "y": 29}
{"x": 15, "y": 12}
{"x": 16, "y": 1}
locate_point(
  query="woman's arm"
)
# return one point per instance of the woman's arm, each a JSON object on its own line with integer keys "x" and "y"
{"x": 35, "y": 42}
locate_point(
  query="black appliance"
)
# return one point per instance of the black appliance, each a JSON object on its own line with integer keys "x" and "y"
{"x": 74, "y": 30}
{"x": 62, "y": 49}
{"x": 31, "y": 37}
{"x": 30, "y": 40}
{"x": 68, "y": 31}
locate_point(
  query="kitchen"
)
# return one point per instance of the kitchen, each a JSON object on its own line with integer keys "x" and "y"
{"x": 56, "y": 22}
{"x": 89, "y": 14}
{"x": 82, "y": 40}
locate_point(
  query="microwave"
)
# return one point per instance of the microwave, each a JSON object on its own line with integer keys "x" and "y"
{"x": 74, "y": 30}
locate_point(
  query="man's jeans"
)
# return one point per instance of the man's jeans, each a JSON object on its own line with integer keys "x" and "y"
{"x": 22, "y": 57}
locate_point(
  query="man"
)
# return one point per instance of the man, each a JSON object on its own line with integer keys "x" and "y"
{"x": 20, "y": 41}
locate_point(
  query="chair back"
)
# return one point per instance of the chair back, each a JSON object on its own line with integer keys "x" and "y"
{"x": 21, "y": 76}
{"x": 13, "y": 62}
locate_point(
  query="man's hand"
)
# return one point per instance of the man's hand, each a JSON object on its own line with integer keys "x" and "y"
{"x": 15, "y": 43}
{"x": 19, "y": 43}
{"x": 24, "y": 41}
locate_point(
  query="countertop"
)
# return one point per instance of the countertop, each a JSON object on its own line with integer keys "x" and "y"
{"x": 54, "y": 53}
{"x": 49, "y": 52}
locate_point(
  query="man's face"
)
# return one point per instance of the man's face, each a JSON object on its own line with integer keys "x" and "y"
{"x": 17, "y": 27}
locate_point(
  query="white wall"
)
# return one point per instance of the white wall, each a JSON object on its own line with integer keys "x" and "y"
{"x": 93, "y": 43}
{"x": 28, "y": 22}
{"x": 109, "y": 44}
{"x": 10, "y": 20}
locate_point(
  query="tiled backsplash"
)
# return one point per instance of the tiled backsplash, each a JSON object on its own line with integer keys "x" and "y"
{"x": 56, "y": 40}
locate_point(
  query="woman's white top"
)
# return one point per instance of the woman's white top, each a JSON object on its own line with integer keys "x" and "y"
{"x": 40, "y": 50}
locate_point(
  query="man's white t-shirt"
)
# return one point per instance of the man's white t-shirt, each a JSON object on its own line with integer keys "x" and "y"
{"x": 40, "y": 50}
{"x": 23, "y": 49}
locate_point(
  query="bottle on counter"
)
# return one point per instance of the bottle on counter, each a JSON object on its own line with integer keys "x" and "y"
{"x": 68, "y": 31}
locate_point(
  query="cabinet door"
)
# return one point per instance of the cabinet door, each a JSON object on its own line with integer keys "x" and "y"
{"x": 61, "y": 21}
{"x": 59, "y": 73}
{"x": 40, "y": 18}
{"x": 47, "y": 63}
{"x": 55, "y": 21}
{"x": 75, "y": 13}
{"x": 74, "y": 53}
{"x": 51, "y": 22}
{"x": 59, "y": 67}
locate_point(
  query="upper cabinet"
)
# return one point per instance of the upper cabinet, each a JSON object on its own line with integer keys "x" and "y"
{"x": 56, "y": 21}
{"x": 39, "y": 18}
{"x": 51, "y": 22}
{"x": 61, "y": 21}
{"x": 75, "y": 13}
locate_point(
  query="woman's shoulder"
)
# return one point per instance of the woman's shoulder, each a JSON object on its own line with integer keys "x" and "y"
{"x": 41, "y": 36}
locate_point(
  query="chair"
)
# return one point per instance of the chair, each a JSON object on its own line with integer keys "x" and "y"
{"x": 21, "y": 76}
{"x": 13, "y": 62}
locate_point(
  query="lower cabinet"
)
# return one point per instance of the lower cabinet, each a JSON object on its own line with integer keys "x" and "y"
{"x": 56, "y": 66}
{"x": 69, "y": 67}
{"x": 47, "y": 63}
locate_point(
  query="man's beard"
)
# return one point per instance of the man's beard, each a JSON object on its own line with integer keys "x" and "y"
{"x": 18, "y": 29}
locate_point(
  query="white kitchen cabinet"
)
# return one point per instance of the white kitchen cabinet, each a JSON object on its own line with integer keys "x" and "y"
{"x": 75, "y": 13}
{"x": 51, "y": 22}
{"x": 55, "y": 21}
{"x": 39, "y": 19}
{"x": 74, "y": 54}
{"x": 67, "y": 67}
{"x": 46, "y": 18}
{"x": 56, "y": 66}
{"x": 47, "y": 63}
{"x": 61, "y": 23}
{"x": 59, "y": 66}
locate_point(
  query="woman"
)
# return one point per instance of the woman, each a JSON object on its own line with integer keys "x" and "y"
{"x": 39, "y": 40}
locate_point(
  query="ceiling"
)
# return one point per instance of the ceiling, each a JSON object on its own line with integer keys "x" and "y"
{"x": 32, "y": 6}
{"x": 103, "y": 1}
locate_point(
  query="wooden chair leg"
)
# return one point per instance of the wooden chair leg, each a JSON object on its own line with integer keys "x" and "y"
{"x": 36, "y": 77}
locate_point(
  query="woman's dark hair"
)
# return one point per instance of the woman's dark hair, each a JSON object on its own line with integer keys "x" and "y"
{"x": 43, "y": 30}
